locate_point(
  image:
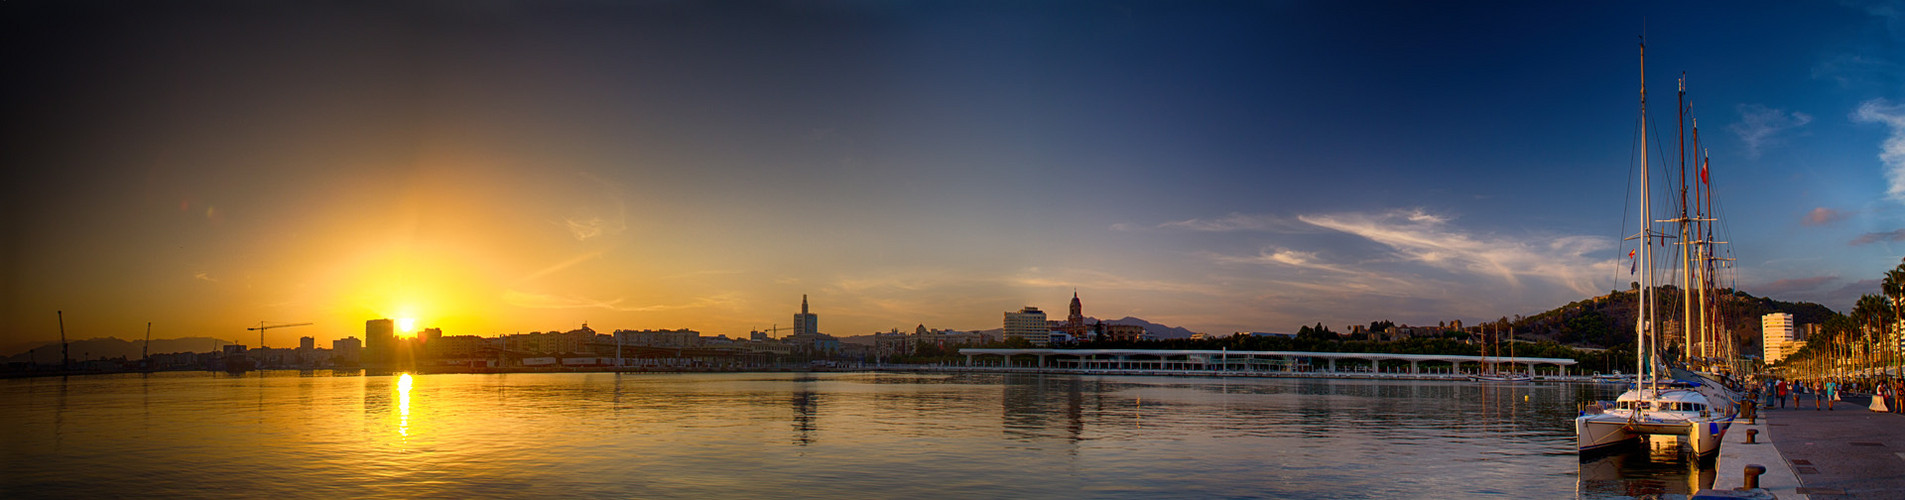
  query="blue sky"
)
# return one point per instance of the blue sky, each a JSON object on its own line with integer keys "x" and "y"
{"x": 495, "y": 167}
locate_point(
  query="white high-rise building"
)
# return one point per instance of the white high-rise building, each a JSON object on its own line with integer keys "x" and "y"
{"x": 1029, "y": 324}
{"x": 1778, "y": 337}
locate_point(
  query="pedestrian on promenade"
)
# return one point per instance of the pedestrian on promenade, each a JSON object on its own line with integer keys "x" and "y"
{"x": 1832, "y": 394}
{"x": 1898, "y": 395}
{"x": 1781, "y": 394}
{"x": 1880, "y": 393}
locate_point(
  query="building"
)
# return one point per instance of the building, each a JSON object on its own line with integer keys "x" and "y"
{"x": 807, "y": 337}
{"x": 1029, "y": 324}
{"x": 805, "y": 322}
{"x": 894, "y": 343}
{"x": 457, "y": 347}
{"x": 347, "y": 351}
{"x": 380, "y": 341}
{"x": 1778, "y": 336}
{"x": 1074, "y": 325}
{"x": 1127, "y": 333}
{"x": 659, "y": 338}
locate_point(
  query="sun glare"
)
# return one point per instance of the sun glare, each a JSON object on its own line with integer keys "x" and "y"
{"x": 407, "y": 325}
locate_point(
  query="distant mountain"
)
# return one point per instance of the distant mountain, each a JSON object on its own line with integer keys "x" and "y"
{"x": 1160, "y": 331}
{"x": 109, "y": 348}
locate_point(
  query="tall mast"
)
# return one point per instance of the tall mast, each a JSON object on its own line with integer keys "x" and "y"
{"x": 1686, "y": 243}
{"x": 1646, "y": 229}
{"x": 1702, "y": 231}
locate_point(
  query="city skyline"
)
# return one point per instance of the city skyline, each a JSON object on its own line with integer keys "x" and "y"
{"x": 502, "y": 168}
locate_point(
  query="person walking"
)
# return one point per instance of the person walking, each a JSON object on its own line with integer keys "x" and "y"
{"x": 1832, "y": 394}
{"x": 1783, "y": 388}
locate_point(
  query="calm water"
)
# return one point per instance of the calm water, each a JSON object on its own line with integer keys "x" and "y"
{"x": 315, "y": 435}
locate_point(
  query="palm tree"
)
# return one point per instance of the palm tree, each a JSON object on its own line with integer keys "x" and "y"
{"x": 1894, "y": 289}
{"x": 1874, "y": 313}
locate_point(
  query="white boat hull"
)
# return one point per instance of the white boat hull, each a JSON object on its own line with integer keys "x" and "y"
{"x": 1596, "y": 432}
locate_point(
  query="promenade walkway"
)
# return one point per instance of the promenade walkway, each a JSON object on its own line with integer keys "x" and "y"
{"x": 1849, "y": 452}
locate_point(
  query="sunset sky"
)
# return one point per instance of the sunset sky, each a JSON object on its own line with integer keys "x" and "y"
{"x": 496, "y": 167}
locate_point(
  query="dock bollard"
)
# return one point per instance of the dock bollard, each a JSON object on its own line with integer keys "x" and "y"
{"x": 1752, "y": 436}
{"x": 1752, "y": 412}
{"x": 1752, "y": 475}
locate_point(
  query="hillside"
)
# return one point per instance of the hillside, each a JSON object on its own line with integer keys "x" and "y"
{"x": 1608, "y": 320}
{"x": 112, "y": 347}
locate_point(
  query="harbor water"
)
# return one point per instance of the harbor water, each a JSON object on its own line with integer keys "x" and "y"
{"x": 320, "y": 434}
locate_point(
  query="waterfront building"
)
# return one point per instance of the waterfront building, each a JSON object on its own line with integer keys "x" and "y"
{"x": 380, "y": 341}
{"x": 1029, "y": 324}
{"x": 806, "y": 322}
{"x": 347, "y": 350}
{"x": 454, "y": 347}
{"x": 659, "y": 338}
{"x": 894, "y": 343}
{"x": 1778, "y": 338}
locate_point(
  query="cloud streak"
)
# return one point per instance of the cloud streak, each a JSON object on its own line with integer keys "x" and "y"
{"x": 1421, "y": 237}
{"x": 1881, "y": 236}
{"x": 1235, "y": 222}
{"x": 1760, "y": 126}
{"x": 1892, "y": 150}
{"x": 532, "y": 300}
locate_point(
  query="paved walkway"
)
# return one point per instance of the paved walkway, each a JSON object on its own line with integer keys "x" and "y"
{"x": 1848, "y": 452}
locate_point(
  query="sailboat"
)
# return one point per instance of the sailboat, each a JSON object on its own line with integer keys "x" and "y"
{"x": 1664, "y": 401}
{"x": 1488, "y": 372}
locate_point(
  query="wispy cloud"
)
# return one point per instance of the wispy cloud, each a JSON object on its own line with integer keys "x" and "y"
{"x": 1822, "y": 216}
{"x": 204, "y": 277}
{"x": 1881, "y": 236}
{"x": 1418, "y": 236}
{"x": 1760, "y": 126}
{"x": 593, "y": 218}
{"x": 1892, "y": 150}
{"x": 562, "y": 265}
{"x": 551, "y": 301}
{"x": 1288, "y": 258}
{"x": 1235, "y": 222}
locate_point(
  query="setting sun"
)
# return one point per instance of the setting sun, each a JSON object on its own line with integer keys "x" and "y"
{"x": 406, "y": 325}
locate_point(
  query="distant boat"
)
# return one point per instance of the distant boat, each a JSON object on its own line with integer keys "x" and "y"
{"x": 1501, "y": 377}
{"x": 1616, "y": 377}
{"x": 1662, "y": 402}
{"x": 1489, "y": 374}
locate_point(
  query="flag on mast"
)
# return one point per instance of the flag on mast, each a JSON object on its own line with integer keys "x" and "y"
{"x": 1633, "y": 265}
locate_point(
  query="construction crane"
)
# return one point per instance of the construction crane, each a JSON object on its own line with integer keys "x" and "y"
{"x": 262, "y": 326}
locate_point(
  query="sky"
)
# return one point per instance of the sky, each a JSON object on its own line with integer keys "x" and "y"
{"x": 495, "y": 167}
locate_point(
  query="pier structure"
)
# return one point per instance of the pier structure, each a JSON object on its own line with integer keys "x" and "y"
{"x": 1251, "y": 361}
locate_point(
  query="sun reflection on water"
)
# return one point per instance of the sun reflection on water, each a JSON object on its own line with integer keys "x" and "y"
{"x": 403, "y": 405}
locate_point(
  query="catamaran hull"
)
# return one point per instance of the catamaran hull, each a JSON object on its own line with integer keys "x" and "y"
{"x": 1597, "y": 432}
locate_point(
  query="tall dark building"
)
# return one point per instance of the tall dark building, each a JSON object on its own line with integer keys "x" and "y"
{"x": 380, "y": 341}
